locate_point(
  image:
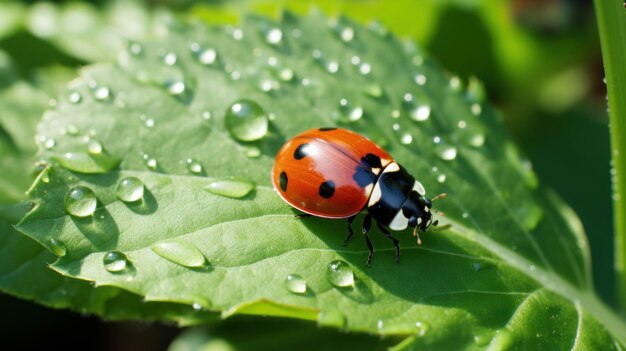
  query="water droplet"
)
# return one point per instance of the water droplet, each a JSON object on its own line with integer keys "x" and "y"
{"x": 418, "y": 60}
{"x": 350, "y": 114}
{"x": 420, "y": 79}
{"x": 295, "y": 283}
{"x": 72, "y": 129}
{"x": 252, "y": 151}
{"x": 332, "y": 67}
{"x": 462, "y": 124}
{"x": 176, "y": 88}
{"x": 482, "y": 340}
{"x": 234, "y": 187}
{"x": 465, "y": 215}
{"x": 170, "y": 59}
{"x": 441, "y": 178}
{"x": 274, "y": 36}
{"x": 49, "y": 144}
{"x": 374, "y": 90}
{"x": 196, "y": 306}
{"x": 149, "y": 122}
{"x": 347, "y": 34}
{"x": 417, "y": 107}
{"x": 86, "y": 163}
{"x": 286, "y": 74}
{"x": 205, "y": 56}
{"x": 448, "y": 153}
{"x": 237, "y": 34}
{"x": 57, "y": 247}
{"x": 246, "y": 120}
{"x": 340, "y": 274}
{"x": 94, "y": 147}
{"x": 380, "y": 324}
{"x": 269, "y": 85}
{"x": 180, "y": 252}
{"x": 532, "y": 267}
{"x": 80, "y": 202}
{"x": 150, "y": 162}
{"x": 206, "y": 115}
{"x": 194, "y": 166}
{"x": 455, "y": 83}
{"x": 100, "y": 93}
{"x": 365, "y": 68}
{"x": 395, "y": 114}
{"x": 332, "y": 319}
{"x": 74, "y": 97}
{"x": 477, "y": 140}
{"x": 135, "y": 48}
{"x": 406, "y": 139}
{"x": 355, "y": 60}
{"x": 422, "y": 328}
{"x": 476, "y": 109}
{"x": 395, "y": 127}
{"x": 115, "y": 262}
{"x": 130, "y": 189}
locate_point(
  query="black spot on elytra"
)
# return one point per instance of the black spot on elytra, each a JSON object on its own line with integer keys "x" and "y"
{"x": 372, "y": 160}
{"x": 326, "y": 129}
{"x": 327, "y": 189}
{"x": 282, "y": 179}
{"x": 300, "y": 152}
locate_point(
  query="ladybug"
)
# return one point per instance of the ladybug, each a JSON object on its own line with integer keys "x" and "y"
{"x": 336, "y": 173}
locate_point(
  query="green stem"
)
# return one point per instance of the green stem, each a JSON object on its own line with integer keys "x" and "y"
{"x": 612, "y": 24}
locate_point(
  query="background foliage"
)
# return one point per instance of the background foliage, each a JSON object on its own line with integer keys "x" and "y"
{"x": 540, "y": 69}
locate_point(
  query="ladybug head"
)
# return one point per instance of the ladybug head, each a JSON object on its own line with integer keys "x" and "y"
{"x": 420, "y": 214}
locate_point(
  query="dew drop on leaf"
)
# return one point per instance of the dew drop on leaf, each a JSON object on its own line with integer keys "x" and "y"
{"x": 441, "y": 178}
{"x": 196, "y": 306}
{"x": 49, "y": 143}
{"x": 194, "y": 166}
{"x": 274, "y": 36}
{"x": 80, "y": 202}
{"x": 422, "y": 328}
{"x": 94, "y": 147}
{"x": 115, "y": 262}
{"x": 447, "y": 153}
{"x": 74, "y": 97}
{"x": 130, "y": 189}
{"x": 183, "y": 253}
{"x": 340, "y": 274}
{"x": 170, "y": 59}
{"x": 406, "y": 139}
{"x": 57, "y": 247}
{"x": 295, "y": 284}
{"x": 252, "y": 151}
{"x": 233, "y": 187}
{"x": 246, "y": 120}
{"x": 420, "y": 79}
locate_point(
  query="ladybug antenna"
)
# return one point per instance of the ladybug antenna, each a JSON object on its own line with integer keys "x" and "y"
{"x": 438, "y": 212}
{"x": 416, "y": 234}
{"x": 440, "y": 196}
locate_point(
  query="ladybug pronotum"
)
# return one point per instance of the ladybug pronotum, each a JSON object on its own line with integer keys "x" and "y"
{"x": 336, "y": 173}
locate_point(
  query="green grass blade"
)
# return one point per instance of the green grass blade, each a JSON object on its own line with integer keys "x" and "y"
{"x": 612, "y": 24}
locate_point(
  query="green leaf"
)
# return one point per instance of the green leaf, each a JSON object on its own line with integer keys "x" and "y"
{"x": 93, "y": 33}
{"x": 513, "y": 252}
{"x": 24, "y": 262}
{"x": 612, "y": 25}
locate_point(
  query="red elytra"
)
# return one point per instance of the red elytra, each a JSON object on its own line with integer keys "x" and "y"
{"x": 317, "y": 170}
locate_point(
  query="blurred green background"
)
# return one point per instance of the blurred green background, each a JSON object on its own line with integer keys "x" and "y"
{"x": 538, "y": 59}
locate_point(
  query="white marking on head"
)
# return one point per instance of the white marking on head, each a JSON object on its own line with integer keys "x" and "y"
{"x": 399, "y": 222}
{"x": 393, "y": 167}
{"x": 376, "y": 195}
{"x": 376, "y": 170}
{"x": 385, "y": 162}
{"x": 419, "y": 188}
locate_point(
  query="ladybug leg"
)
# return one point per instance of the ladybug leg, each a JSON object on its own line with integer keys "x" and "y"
{"x": 367, "y": 224}
{"x": 302, "y": 215}
{"x": 350, "y": 231}
{"x": 396, "y": 243}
